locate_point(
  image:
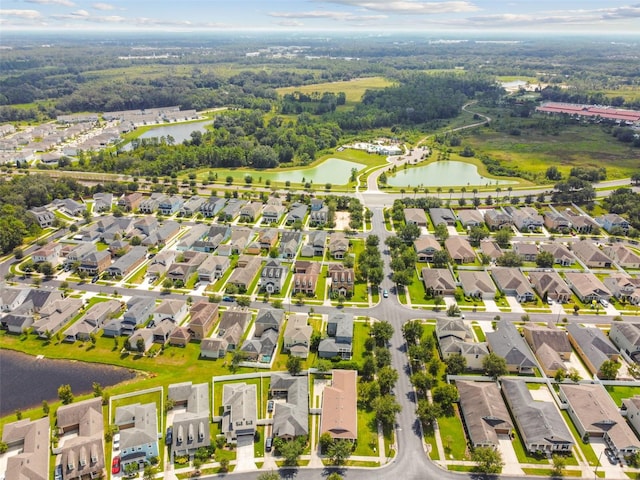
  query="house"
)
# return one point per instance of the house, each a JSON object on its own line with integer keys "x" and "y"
{"x": 272, "y": 214}
{"x": 191, "y": 426}
{"x": 240, "y": 238}
{"x": 426, "y": 246}
{"x": 260, "y": 349}
{"x": 127, "y": 263}
{"x": 213, "y": 268}
{"x": 556, "y": 222}
{"x": 550, "y": 285}
{"x": 231, "y": 210}
{"x": 268, "y": 318}
{"x": 540, "y": 424}
{"x": 95, "y": 263}
{"x": 163, "y": 331}
{"x": 484, "y": 412}
{"x": 267, "y": 239}
{"x": 470, "y": 218}
{"x": 526, "y": 219}
{"x": 150, "y": 204}
{"x": 297, "y": 213}
{"x": 92, "y": 321}
{"x": 592, "y": 345}
{"x": 319, "y": 217}
{"x": 297, "y": 335}
{"x": 338, "y": 245}
{"x": 69, "y": 206}
{"x": 624, "y": 287}
{"x": 56, "y": 315}
{"x": 460, "y": 249}
{"x": 240, "y": 415}
{"x": 305, "y": 277}
{"x": 491, "y": 249}
{"x": 622, "y": 255}
{"x": 209, "y": 241}
{"x": 250, "y": 212}
{"x": 146, "y": 225}
{"x": 632, "y": 408}
{"x": 456, "y": 338}
{"x": 48, "y": 253}
{"x": 212, "y": 206}
{"x": 626, "y": 336}
{"x": 289, "y": 242}
{"x": 587, "y": 286}
{"x": 291, "y": 417}
{"x": 340, "y": 336}
{"x": 187, "y": 264}
{"x": 273, "y": 276}
{"x": 342, "y": 280}
{"x": 582, "y": 224}
{"x": 44, "y": 217}
{"x": 192, "y": 206}
{"x": 315, "y": 244}
{"x": 82, "y": 452}
{"x": 438, "y": 281}
{"x": 590, "y": 255}
{"x": 11, "y": 297}
{"x": 102, "y": 202}
{"x": 339, "y": 417}
{"x": 316, "y": 204}
{"x": 246, "y": 269}
{"x": 213, "y": 347}
{"x": 141, "y": 340}
{"x": 442, "y": 216}
{"x": 30, "y": 440}
{"x": 191, "y": 240}
{"x": 512, "y": 282}
{"x": 507, "y": 343}
{"x": 170, "y": 205}
{"x": 477, "y": 284}
{"x": 526, "y": 251}
{"x": 415, "y": 216}
{"x": 497, "y": 219}
{"x": 233, "y": 322}
{"x": 612, "y": 221}
{"x": 139, "y": 309}
{"x": 131, "y": 202}
{"x": 138, "y": 424}
{"x": 170, "y": 309}
{"x": 204, "y": 315}
{"x": 561, "y": 254}
{"x": 453, "y": 327}
{"x": 595, "y": 415}
{"x": 550, "y": 345}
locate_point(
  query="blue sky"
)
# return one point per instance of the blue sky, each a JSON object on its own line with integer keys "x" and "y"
{"x": 454, "y": 16}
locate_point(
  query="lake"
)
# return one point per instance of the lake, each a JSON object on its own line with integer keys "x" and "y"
{"x": 179, "y": 131}
{"x": 26, "y": 381}
{"x": 440, "y": 174}
{"x": 332, "y": 170}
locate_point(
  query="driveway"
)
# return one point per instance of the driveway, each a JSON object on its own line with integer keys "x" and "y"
{"x": 610, "y": 471}
{"x": 509, "y": 457}
{"x": 490, "y": 306}
{"x": 514, "y": 304}
{"x": 245, "y": 461}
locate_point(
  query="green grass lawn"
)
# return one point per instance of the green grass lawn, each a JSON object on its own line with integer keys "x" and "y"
{"x": 360, "y": 334}
{"x": 262, "y": 394}
{"x": 453, "y": 438}
{"x": 367, "y": 433}
{"x": 620, "y": 392}
{"x": 430, "y": 439}
{"x": 142, "y": 399}
{"x": 353, "y": 89}
{"x": 479, "y": 333}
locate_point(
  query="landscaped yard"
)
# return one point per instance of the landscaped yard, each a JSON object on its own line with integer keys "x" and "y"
{"x": 367, "y": 433}
{"x": 262, "y": 392}
{"x": 453, "y": 438}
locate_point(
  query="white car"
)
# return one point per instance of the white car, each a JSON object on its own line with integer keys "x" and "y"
{"x": 604, "y": 303}
{"x": 116, "y": 441}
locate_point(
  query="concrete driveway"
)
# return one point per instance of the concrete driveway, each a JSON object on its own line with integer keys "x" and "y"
{"x": 509, "y": 457}
{"x": 610, "y": 471}
{"x": 245, "y": 461}
{"x": 514, "y": 304}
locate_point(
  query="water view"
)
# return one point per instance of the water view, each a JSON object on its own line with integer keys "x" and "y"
{"x": 179, "y": 131}
{"x": 332, "y": 170}
{"x": 440, "y": 174}
{"x": 27, "y": 381}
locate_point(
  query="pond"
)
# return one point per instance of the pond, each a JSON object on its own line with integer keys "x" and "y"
{"x": 440, "y": 174}
{"x": 26, "y": 380}
{"x": 179, "y": 131}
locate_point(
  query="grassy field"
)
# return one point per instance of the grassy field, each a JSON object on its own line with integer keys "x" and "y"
{"x": 620, "y": 392}
{"x": 453, "y": 439}
{"x": 353, "y": 89}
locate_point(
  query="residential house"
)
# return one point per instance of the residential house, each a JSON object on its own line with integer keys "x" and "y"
{"x": 212, "y": 206}
{"x": 102, "y": 202}
{"x": 210, "y": 241}
{"x": 550, "y": 285}
{"x": 240, "y": 239}
{"x": 272, "y": 213}
{"x": 82, "y": 452}
{"x": 192, "y": 206}
{"x": 582, "y": 224}
{"x": 160, "y": 264}
{"x": 69, "y": 206}
{"x": 92, "y": 321}
{"x": 342, "y": 280}
{"x": 171, "y": 205}
{"x": 340, "y": 336}
{"x": 612, "y": 221}
{"x": 291, "y": 417}
{"x": 595, "y": 415}
{"x": 626, "y": 336}
{"x": 442, "y": 216}
{"x": 477, "y": 284}
{"x": 213, "y": 268}
{"x": 315, "y": 244}
{"x": 193, "y": 238}
{"x": 150, "y": 204}
{"x": 289, "y": 242}
{"x": 550, "y": 345}
{"x": 187, "y": 264}
{"x": 204, "y": 315}
{"x": 30, "y": 442}
{"x": 526, "y": 219}
{"x": 174, "y": 310}
{"x": 339, "y": 416}
{"x": 141, "y": 340}
{"x": 484, "y": 412}
{"x": 44, "y": 217}
{"x": 561, "y": 254}
{"x": 267, "y": 239}
{"x": 213, "y": 347}
{"x": 338, "y": 245}
{"x": 556, "y": 222}
{"x": 127, "y": 263}
{"x": 48, "y": 253}
{"x": 11, "y": 297}
{"x": 146, "y": 225}
{"x": 297, "y": 212}
{"x": 631, "y": 406}
{"x": 624, "y": 287}
{"x": 497, "y": 219}
{"x": 268, "y": 318}
{"x": 415, "y": 216}
{"x": 138, "y": 424}
{"x": 592, "y": 345}
{"x": 460, "y": 250}
{"x": 178, "y": 336}
{"x": 131, "y": 202}
{"x": 240, "y": 414}
{"x": 319, "y": 217}
{"x": 622, "y": 255}
{"x": 470, "y": 218}
{"x": 512, "y": 282}
{"x": 245, "y": 271}
{"x": 233, "y": 323}
{"x": 231, "y": 210}
{"x": 316, "y": 204}
{"x": 161, "y": 236}
{"x": 95, "y": 263}
{"x": 540, "y": 424}
{"x": 273, "y": 276}
{"x": 297, "y": 335}
{"x": 139, "y": 310}
{"x": 507, "y": 343}
{"x": 590, "y": 255}
{"x": 426, "y": 246}
{"x": 260, "y": 348}
{"x": 250, "y": 212}
{"x": 491, "y": 249}
{"x": 456, "y": 338}
{"x": 526, "y": 251}
{"x": 438, "y": 281}
{"x": 55, "y": 316}
{"x": 587, "y": 286}
{"x": 305, "y": 277}
{"x": 191, "y": 426}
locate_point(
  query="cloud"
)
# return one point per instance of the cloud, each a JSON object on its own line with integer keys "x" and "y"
{"x": 80, "y": 13}
{"x": 64, "y": 3}
{"x": 24, "y": 14}
{"x": 290, "y": 23}
{"x": 323, "y": 14}
{"x": 408, "y": 7}
{"x": 103, "y": 6}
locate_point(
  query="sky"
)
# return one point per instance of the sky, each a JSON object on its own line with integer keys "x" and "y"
{"x": 454, "y": 16}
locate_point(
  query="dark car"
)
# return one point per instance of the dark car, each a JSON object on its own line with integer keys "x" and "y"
{"x": 169, "y": 437}
{"x": 95, "y": 279}
{"x": 270, "y": 406}
{"x": 613, "y": 459}
{"x": 57, "y": 474}
{"x": 115, "y": 465}
{"x": 268, "y": 444}
{"x": 227, "y": 298}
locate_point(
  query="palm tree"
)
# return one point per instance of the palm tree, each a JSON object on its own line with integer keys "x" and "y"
{"x": 498, "y": 190}
{"x": 426, "y": 191}
{"x": 450, "y": 193}
{"x": 475, "y": 192}
{"x": 510, "y": 190}
{"x": 439, "y": 190}
{"x": 415, "y": 191}
{"x": 402, "y": 190}
{"x": 463, "y": 190}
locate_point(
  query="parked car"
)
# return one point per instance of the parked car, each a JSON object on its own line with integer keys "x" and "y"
{"x": 613, "y": 459}
{"x": 169, "y": 437}
{"x": 268, "y": 444}
{"x": 95, "y": 279}
{"x": 115, "y": 465}
{"x": 385, "y": 293}
{"x": 116, "y": 441}
{"x": 57, "y": 474}
{"x": 604, "y": 303}
{"x": 270, "y": 406}
{"x": 227, "y": 298}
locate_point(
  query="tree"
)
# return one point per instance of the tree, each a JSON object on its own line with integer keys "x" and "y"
{"x": 339, "y": 451}
{"x": 438, "y": 300}
{"x": 97, "y": 389}
{"x": 422, "y": 381}
{"x": 382, "y": 331}
{"x": 441, "y": 232}
{"x": 243, "y": 301}
{"x": 428, "y": 412}
{"x": 269, "y": 475}
{"x": 453, "y": 310}
{"x": 487, "y": 459}
{"x": 368, "y": 369}
{"x": 149, "y": 472}
{"x": 290, "y": 450}
{"x": 553, "y": 173}
{"x": 45, "y": 407}
{"x": 367, "y": 393}
{"x": 3, "y": 447}
{"x": 382, "y": 356}
{"x": 494, "y": 365}
{"x": 456, "y": 364}
{"x": 445, "y": 396}
{"x": 560, "y": 375}
{"x": 294, "y": 365}
{"x": 386, "y": 409}
{"x": 412, "y": 331}
{"x": 440, "y": 259}
{"x": 65, "y": 394}
{"x": 387, "y": 378}
{"x": 325, "y": 442}
{"x": 609, "y": 370}
{"x": 509, "y": 259}
{"x": 335, "y": 476}
{"x": 476, "y": 235}
{"x": 559, "y": 462}
{"x": 237, "y": 357}
{"x": 503, "y": 237}
{"x": 544, "y": 260}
